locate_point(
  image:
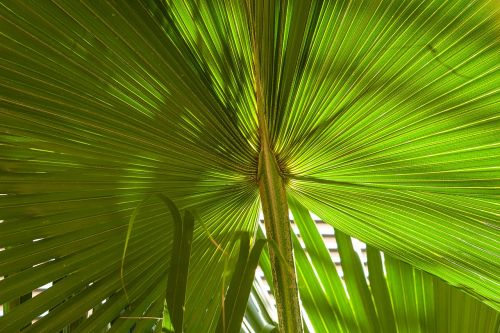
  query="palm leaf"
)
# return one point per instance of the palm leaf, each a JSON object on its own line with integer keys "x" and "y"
{"x": 94, "y": 148}
{"x": 257, "y": 314}
{"x": 404, "y": 299}
{"x": 240, "y": 287}
{"x": 382, "y": 117}
{"x": 389, "y": 132}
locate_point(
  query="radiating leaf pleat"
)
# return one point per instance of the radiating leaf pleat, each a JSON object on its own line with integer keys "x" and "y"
{"x": 383, "y": 116}
{"x": 96, "y": 277}
{"x": 389, "y": 127}
{"x": 101, "y": 108}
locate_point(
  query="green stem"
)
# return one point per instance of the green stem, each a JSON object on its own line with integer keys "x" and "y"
{"x": 274, "y": 206}
{"x": 275, "y": 209}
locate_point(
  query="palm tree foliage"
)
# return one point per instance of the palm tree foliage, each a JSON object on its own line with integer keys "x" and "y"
{"x": 404, "y": 299}
{"x": 382, "y": 116}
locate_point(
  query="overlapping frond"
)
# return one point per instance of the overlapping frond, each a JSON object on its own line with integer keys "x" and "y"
{"x": 397, "y": 297}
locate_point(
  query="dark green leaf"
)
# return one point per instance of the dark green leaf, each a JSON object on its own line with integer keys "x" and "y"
{"x": 235, "y": 301}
